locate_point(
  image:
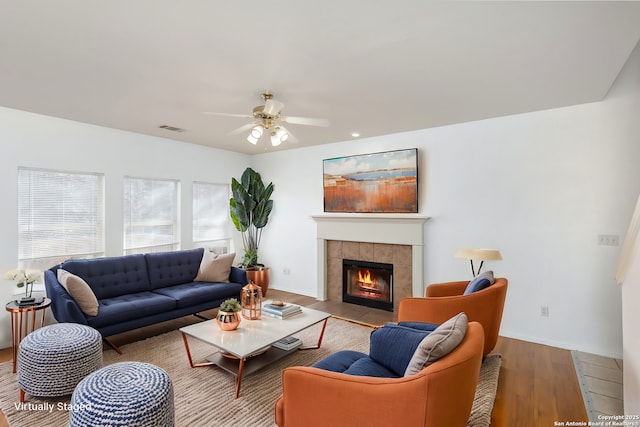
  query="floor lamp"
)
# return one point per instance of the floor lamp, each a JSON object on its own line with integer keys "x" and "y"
{"x": 481, "y": 255}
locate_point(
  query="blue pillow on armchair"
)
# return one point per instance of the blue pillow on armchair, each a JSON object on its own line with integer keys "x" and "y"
{"x": 393, "y": 346}
{"x": 482, "y": 281}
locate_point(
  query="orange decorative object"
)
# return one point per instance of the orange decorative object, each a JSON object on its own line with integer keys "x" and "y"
{"x": 445, "y": 300}
{"x": 251, "y": 298}
{"x": 228, "y": 320}
{"x": 260, "y": 276}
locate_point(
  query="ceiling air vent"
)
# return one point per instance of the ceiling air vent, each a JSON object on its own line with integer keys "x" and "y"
{"x": 171, "y": 128}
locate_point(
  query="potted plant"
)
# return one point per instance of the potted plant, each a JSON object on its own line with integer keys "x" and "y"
{"x": 250, "y": 207}
{"x": 228, "y": 317}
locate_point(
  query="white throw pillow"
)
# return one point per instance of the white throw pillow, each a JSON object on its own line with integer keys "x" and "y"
{"x": 442, "y": 341}
{"x": 215, "y": 268}
{"x": 80, "y": 291}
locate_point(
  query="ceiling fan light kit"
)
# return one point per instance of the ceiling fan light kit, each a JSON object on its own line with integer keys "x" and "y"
{"x": 268, "y": 117}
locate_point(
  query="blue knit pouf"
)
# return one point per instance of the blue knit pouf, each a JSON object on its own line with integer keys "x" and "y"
{"x": 123, "y": 394}
{"x": 52, "y": 360}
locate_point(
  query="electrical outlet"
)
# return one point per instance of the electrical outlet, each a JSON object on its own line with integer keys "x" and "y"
{"x": 286, "y": 271}
{"x": 544, "y": 311}
{"x": 608, "y": 239}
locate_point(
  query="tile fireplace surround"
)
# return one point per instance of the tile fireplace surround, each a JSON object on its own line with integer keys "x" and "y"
{"x": 397, "y": 239}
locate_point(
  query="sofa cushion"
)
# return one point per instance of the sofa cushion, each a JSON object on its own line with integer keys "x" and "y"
{"x": 367, "y": 367}
{"x": 482, "y": 281}
{"x": 438, "y": 343}
{"x": 215, "y": 268}
{"x": 79, "y": 291}
{"x": 112, "y": 276}
{"x": 339, "y": 361}
{"x": 131, "y": 306}
{"x": 173, "y": 268}
{"x": 394, "y": 346}
{"x": 194, "y": 293}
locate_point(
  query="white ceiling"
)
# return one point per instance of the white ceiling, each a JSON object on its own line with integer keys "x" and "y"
{"x": 376, "y": 67}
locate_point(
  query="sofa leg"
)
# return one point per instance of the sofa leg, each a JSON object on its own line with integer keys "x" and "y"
{"x": 21, "y": 396}
{"x": 113, "y": 346}
{"x": 199, "y": 316}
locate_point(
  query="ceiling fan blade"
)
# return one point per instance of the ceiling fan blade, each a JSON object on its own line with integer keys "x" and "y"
{"x": 244, "y": 116}
{"x": 306, "y": 121}
{"x": 241, "y": 129}
{"x": 272, "y": 108}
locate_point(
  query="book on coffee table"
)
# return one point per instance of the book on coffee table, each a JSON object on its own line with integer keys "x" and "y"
{"x": 288, "y": 343}
{"x": 281, "y": 312}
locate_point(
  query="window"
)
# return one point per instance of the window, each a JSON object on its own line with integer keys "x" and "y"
{"x": 211, "y": 221}
{"x": 150, "y": 215}
{"x": 60, "y": 216}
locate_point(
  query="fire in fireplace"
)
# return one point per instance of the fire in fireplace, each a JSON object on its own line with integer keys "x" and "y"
{"x": 367, "y": 283}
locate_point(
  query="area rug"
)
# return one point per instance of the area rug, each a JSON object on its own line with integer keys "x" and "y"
{"x": 205, "y": 396}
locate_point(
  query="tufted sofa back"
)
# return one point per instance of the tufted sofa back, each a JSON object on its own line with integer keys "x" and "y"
{"x": 173, "y": 268}
{"x": 112, "y": 276}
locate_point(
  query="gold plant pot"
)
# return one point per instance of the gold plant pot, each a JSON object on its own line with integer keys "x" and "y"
{"x": 259, "y": 276}
{"x": 228, "y": 320}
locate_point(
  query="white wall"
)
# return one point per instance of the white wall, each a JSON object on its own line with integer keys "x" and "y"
{"x": 32, "y": 140}
{"x": 540, "y": 187}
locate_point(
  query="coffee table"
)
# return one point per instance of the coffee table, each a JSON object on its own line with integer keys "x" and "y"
{"x": 248, "y": 348}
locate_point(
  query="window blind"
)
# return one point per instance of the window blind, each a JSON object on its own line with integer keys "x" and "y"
{"x": 211, "y": 221}
{"x": 150, "y": 215}
{"x": 60, "y": 216}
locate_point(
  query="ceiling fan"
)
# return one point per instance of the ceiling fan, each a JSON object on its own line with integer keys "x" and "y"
{"x": 267, "y": 117}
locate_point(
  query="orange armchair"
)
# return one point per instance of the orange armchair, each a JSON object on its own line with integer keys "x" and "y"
{"x": 439, "y": 395}
{"x": 445, "y": 300}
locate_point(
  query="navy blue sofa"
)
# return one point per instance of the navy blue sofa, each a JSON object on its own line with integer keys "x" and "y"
{"x": 139, "y": 290}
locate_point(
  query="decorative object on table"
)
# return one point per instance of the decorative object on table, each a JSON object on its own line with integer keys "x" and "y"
{"x": 288, "y": 343}
{"x": 25, "y": 278}
{"x": 481, "y": 255}
{"x": 281, "y": 311}
{"x": 228, "y": 317}
{"x": 250, "y": 207}
{"x": 52, "y": 360}
{"x": 372, "y": 183}
{"x": 124, "y": 394}
{"x": 251, "y": 298}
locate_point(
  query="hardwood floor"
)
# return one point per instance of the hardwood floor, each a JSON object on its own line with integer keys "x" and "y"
{"x": 537, "y": 386}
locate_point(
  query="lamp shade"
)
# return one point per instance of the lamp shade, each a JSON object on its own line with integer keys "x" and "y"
{"x": 479, "y": 254}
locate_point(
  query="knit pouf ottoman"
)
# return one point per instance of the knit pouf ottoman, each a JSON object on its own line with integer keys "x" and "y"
{"x": 123, "y": 394}
{"x": 53, "y": 359}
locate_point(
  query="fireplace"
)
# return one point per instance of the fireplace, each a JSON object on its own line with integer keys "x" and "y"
{"x": 367, "y": 283}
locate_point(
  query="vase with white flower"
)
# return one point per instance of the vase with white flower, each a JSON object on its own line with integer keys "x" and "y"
{"x": 25, "y": 279}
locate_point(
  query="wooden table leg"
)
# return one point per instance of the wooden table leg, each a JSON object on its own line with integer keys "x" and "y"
{"x": 239, "y": 377}
{"x": 313, "y": 347}
{"x": 15, "y": 338}
{"x": 186, "y": 346}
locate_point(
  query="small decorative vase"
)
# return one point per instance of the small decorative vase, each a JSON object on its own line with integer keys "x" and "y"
{"x": 228, "y": 320}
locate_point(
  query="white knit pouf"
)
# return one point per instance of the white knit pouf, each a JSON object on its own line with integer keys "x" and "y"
{"x": 52, "y": 360}
{"x": 123, "y": 394}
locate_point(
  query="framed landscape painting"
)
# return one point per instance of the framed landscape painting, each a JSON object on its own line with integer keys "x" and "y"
{"x": 372, "y": 183}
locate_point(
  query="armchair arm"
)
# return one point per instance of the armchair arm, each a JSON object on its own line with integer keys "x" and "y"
{"x": 446, "y": 289}
{"x": 315, "y": 397}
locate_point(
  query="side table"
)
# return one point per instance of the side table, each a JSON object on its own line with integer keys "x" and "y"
{"x": 20, "y": 325}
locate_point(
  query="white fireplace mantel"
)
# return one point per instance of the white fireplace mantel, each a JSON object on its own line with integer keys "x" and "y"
{"x": 397, "y": 229}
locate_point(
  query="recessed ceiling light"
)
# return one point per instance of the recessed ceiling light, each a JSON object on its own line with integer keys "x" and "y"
{"x": 355, "y": 134}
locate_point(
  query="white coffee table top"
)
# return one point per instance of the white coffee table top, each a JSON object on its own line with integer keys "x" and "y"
{"x": 253, "y": 335}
